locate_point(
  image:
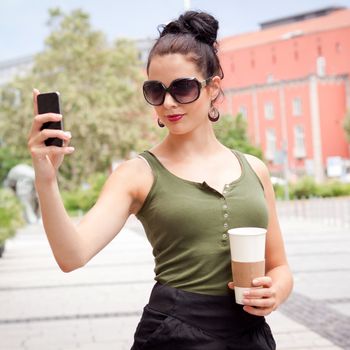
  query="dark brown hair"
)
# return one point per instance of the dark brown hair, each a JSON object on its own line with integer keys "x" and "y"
{"x": 193, "y": 34}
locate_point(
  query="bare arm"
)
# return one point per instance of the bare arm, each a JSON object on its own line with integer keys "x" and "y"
{"x": 74, "y": 245}
{"x": 278, "y": 282}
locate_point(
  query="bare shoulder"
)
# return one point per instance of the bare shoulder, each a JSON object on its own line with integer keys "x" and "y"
{"x": 130, "y": 182}
{"x": 134, "y": 171}
{"x": 258, "y": 165}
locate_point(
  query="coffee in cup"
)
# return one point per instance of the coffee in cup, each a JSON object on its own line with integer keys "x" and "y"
{"x": 247, "y": 245}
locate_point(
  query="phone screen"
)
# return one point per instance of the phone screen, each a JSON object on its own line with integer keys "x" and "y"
{"x": 50, "y": 103}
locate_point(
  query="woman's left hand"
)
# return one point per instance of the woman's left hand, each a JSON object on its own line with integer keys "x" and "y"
{"x": 260, "y": 301}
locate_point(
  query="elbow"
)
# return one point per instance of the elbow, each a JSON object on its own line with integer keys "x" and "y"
{"x": 67, "y": 268}
{"x": 69, "y": 265}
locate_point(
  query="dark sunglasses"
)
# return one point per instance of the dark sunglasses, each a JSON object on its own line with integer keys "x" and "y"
{"x": 183, "y": 90}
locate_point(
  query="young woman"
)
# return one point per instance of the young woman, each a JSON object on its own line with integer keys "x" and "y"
{"x": 192, "y": 190}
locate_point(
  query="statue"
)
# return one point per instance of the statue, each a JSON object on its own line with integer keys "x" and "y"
{"x": 21, "y": 180}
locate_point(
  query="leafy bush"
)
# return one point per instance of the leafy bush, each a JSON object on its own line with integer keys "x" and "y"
{"x": 306, "y": 187}
{"x": 82, "y": 199}
{"x": 333, "y": 189}
{"x": 279, "y": 191}
{"x": 11, "y": 214}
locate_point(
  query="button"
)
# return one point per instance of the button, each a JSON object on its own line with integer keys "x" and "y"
{"x": 225, "y": 225}
{"x": 227, "y": 186}
{"x": 224, "y": 236}
{"x": 225, "y": 215}
{"x": 224, "y": 206}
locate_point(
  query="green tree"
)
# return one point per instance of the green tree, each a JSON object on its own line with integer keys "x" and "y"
{"x": 102, "y": 102}
{"x": 232, "y": 132}
{"x": 346, "y": 125}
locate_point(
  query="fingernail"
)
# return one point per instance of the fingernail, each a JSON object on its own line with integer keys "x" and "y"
{"x": 70, "y": 149}
{"x": 67, "y": 133}
{"x": 255, "y": 281}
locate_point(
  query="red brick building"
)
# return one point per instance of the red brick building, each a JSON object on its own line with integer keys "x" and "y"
{"x": 291, "y": 81}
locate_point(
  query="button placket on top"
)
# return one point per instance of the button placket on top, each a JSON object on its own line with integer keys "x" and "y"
{"x": 224, "y": 236}
{"x": 225, "y": 215}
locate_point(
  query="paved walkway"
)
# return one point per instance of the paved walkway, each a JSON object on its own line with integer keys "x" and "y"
{"x": 98, "y": 307}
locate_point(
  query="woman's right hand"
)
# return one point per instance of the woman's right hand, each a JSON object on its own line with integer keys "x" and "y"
{"x": 46, "y": 159}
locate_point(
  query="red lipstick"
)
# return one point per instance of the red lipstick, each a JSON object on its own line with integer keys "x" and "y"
{"x": 174, "y": 117}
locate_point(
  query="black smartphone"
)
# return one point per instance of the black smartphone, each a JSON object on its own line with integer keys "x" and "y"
{"x": 50, "y": 103}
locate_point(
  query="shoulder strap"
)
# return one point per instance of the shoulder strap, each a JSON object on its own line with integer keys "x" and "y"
{"x": 247, "y": 168}
{"x": 151, "y": 160}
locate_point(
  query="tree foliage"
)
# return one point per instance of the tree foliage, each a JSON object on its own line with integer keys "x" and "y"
{"x": 346, "y": 125}
{"x": 100, "y": 87}
{"x": 232, "y": 132}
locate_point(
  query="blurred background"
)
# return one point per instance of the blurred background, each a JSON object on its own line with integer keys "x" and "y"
{"x": 287, "y": 101}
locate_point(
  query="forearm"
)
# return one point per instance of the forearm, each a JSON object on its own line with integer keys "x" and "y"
{"x": 61, "y": 232}
{"x": 282, "y": 282}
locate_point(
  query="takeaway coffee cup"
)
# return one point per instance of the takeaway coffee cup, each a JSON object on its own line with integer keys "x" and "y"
{"x": 247, "y": 246}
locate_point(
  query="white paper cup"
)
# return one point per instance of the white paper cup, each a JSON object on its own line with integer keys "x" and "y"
{"x": 247, "y": 245}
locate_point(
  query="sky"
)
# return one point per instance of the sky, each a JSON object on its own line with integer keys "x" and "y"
{"x": 23, "y": 26}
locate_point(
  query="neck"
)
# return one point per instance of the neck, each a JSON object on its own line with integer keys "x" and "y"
{"x": 199, "y": 142}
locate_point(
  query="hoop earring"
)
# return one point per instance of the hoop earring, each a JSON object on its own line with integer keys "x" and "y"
{"x": 160, "y": 124}
{"x": 213, "y": 114}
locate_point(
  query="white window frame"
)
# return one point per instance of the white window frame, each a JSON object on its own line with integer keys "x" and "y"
{"x": 243, "y": 111}
{"x": 299, "y": 142}
{"x": 270, "y": 144}
{"x": 297, "y": 107}
{"x": 269, "y": 110}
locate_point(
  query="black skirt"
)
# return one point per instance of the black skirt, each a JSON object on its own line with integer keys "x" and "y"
{"x": 179, "y": 320}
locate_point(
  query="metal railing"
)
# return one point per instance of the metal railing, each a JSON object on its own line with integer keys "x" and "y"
{"x": 330, "y": 211}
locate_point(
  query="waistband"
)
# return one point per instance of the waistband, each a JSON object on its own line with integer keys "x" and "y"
{"x": 218, "y": 315}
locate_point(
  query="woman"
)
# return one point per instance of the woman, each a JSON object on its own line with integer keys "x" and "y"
{"x": 192, "y": 190}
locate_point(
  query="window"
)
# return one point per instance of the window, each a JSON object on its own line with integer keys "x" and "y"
{"x": 269, "y": 78}
{"x": 299, "y": 142}
{"x": 269, "y": 110}
{"x": 243, "y": 111}
{"x": 297, "y": 107}
{"x": 321, "y": 66}
{"x": 270, "y": 144}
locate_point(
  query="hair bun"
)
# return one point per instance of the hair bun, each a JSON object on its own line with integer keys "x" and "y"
{"x": 201, "y": 25}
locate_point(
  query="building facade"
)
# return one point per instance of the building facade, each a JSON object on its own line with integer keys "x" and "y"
{"x": 291, "y": 82}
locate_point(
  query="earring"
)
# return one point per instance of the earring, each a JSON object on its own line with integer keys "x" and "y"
{"x": 213, "y": 114}
{"x": 160, "y": 124}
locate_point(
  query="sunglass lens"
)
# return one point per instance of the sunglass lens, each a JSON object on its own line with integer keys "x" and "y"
{"x": 185, "y": 90}
{"x": 154, "y": 92}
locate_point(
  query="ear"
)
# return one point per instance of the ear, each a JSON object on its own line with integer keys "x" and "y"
{"x": 215, "y": 87}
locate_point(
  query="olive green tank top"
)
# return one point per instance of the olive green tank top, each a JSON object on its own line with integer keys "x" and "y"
{"x": 186, "y": 223}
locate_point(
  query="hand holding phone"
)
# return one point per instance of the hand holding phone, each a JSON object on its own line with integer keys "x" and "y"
{"x": 50, "y": 103}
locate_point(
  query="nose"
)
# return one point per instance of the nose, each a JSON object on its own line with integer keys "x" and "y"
{"x": 169, "y": 101}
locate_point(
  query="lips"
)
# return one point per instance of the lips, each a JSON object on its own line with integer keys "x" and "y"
{"x": 174, "y": 117}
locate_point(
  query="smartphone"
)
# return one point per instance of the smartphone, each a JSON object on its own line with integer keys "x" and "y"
{"x": 50, "y": 103}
